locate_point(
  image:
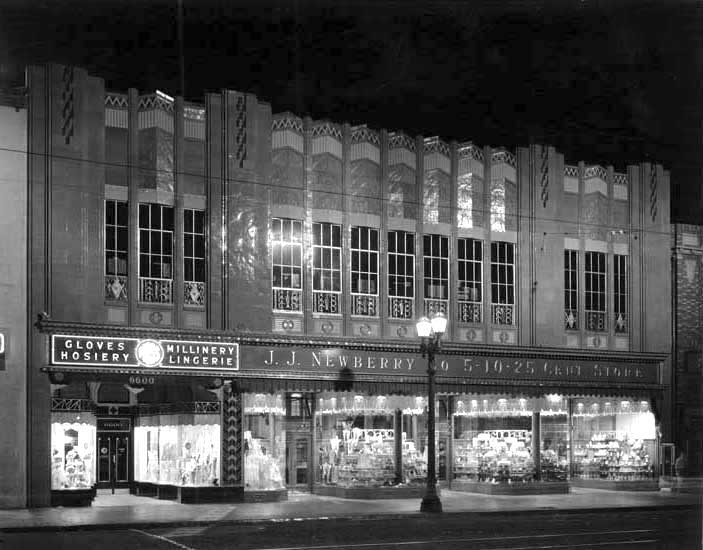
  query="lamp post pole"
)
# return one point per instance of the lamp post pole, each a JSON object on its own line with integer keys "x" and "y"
{"x": 431, "y": 333}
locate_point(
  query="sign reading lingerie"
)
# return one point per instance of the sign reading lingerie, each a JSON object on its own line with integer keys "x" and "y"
{"x": 145, "y": 353}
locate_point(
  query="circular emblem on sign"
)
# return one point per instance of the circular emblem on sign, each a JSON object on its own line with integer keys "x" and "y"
{"x": 503, "y": 337}
{"x": 327, "y": 327}
{"x": 156, "y": 317}
{"x": 103, "y": 450}
{"x": 471, "y": 335}
{"x": 365, "y": 329}
{"x": 149, "y": 353}
{"x": 596, "y": 341}
{"x": 402, "y": 331}
{"x": 287, "y": 324}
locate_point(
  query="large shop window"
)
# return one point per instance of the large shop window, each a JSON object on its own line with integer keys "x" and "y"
{"x": 326, "y": 267}
{"x": 469, "y": 294}
{"x": 614, "y": 439}
{"x": 364, "y": 271}
{"x": 287, "y": 264}
{"x": 116, "y": 251}
{"x": 436, "y": 273}
{"x": 194, "y": 257}
{"x": 401, "y": 274}
{"x": 264, "y": 442}
{"x": 358, "y": 439}
{"x": 155, "y": 253}
{"x": 72, "y": 450}
{"x": 177, "y": 449}
{"x": 502, "y": 283}
{"x": 595, "y": 291}
{"x": 571, "y": 295}
{"x": 494, "y": 439}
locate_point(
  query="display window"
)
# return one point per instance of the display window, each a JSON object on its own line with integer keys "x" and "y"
{"x": 177, "y": 449}
{"x": 493, "y": 438}
{"x": 73, "y": 439}
{"x": 264, "y": 442}
{"x": 357, "y": 436}
{"x": 614, "y": 439}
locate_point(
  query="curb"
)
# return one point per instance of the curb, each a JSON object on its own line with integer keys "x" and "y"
{"x": 540, "y": 511}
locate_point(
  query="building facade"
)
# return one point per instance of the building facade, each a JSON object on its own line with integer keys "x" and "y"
{"x": 688, "y": 309}
{"x": 222, "y": 300}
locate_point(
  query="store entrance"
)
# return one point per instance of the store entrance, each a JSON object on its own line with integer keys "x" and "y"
{"x": 114, "y": 455}
{"x": 298, "y": 461}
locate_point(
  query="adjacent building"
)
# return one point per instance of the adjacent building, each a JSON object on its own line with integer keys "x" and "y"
{"x": 221, "y": 302}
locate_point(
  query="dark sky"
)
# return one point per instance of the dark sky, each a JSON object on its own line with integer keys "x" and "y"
{"x": 605, "y": 82}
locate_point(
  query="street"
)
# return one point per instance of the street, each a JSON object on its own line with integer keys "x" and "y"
{"x": 678, "y": 528}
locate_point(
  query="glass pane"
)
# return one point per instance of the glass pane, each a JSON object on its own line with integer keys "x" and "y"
{"x": 110, "y": 238}
{"x": 167, "y": 243}
{"x": 110, "y": 212}
{"x": 200, "y": 270}
{"x": 188, "y": 271}
{"x": 198, "y": 221}
{"x": 144, "y": 265}
{"x": 199, "y": 246}
{"x": 188, "y": 221}
{"x": 355, "y": 237}
{"x": 155, "y": 216}
{"x": 144, "y": 216}
{"x": 168, "y": 218}
{"x": 391, "y": 241}
{"x": 188, "y": 245}
{"x": 336, "y": 235}
{"x": 143, "y": 241}
{"x": 374, "y": 240}
{"x": 155, "y": 242}
{"x": 122, "y": 238}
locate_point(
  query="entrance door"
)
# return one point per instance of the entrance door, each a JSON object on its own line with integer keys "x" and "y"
{"x": 298, "y": 461}
{"x": 113, "y": 459}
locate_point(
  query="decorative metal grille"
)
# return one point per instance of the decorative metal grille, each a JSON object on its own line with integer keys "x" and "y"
{"x": 595, "y": 321}
{"x": 620, "y": 179}
{"x": 571, "y": 290}
{"x": 571, "y": 171}
{"x": 155, "y": 291}
{"x": 193, "y": 293}
{"x": 502, "y": 314}
{"x": 503, "y": 157}
{"x": 116, "y": 288}
{"x": 621, "y": 323}
{"x": 197, "y": 407}
{"x": 60, "y": 404}
{"x": 400, "y": 308}
{"x": 435, "y": 306}
{"x": 326, "y": 302}
{"x": 364, "y": 305}
{"x": 596, "y": 172}
{"x": 469, "y": 312}
{"x": 231, "y": 437}
{"x": 287, "y": 300}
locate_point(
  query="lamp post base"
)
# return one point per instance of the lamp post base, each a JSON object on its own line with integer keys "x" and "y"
{"x": 431, "y": 503}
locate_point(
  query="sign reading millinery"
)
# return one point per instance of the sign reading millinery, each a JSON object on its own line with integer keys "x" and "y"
{"x": 338, "y": 361}
{"x": 133, "y": 352}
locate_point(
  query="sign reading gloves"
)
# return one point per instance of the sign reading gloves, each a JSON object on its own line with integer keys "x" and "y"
{"x": 145, "y": 353}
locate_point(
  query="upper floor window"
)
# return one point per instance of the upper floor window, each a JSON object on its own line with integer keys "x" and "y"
{"x": 497, "y": 204}
{"x": 287, "y": 264}
{"x": 620, "y": 292}
{"x": 364, "y": 271}
{"x": 194, "y": 257}
{"x": 502, "y": 283}
{"x": 571, "y": 301}
{"x": 155, "y": 253}
{"x": 116, "y": 250}
{"x": 401, "y": 274}
{"x": 470, "y": 266}
{"x": 326, "y": 267}
{"x": 436, "y": 273}
{"x": 595, "y": 293}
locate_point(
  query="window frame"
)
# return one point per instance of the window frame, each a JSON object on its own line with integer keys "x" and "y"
{"x": 596, "y": 290}
{"x": 503, "y": 282}
{"x": 571, "y": 289}
{"x": 470, "y": 263}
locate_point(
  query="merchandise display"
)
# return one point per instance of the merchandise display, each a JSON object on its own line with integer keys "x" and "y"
{"x": 612, "y": 455}
{"x": 496, "y": 456}
{"x": 264, "y": 442}
{"x": 614, "y": 440}
{"x": 73, "y": 439}
{"x": 365, "y": 457}
{"x": 177, "y": 449}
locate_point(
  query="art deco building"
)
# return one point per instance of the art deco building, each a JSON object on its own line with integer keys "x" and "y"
{"x": 215, "y": 301}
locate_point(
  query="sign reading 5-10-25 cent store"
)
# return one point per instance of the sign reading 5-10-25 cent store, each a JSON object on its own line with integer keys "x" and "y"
{"x": 146, "y": 353}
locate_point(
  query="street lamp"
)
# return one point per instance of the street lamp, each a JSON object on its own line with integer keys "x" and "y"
{"x": 431, "y": 333}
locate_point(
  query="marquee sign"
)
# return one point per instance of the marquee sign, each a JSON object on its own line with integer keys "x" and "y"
{"x": 95, "y": 351}
{"x": 466, "y": 366}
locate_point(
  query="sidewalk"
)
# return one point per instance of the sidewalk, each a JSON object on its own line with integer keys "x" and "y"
{"x": 123, "y": 510}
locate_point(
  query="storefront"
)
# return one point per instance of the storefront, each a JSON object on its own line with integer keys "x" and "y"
{"x": 248, "y": 419}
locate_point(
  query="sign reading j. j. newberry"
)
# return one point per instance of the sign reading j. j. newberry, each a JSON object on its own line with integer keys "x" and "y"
{"x": 145, "y": 353}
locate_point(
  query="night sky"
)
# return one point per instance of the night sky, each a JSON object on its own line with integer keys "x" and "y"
{"x": 605, "y": 82}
